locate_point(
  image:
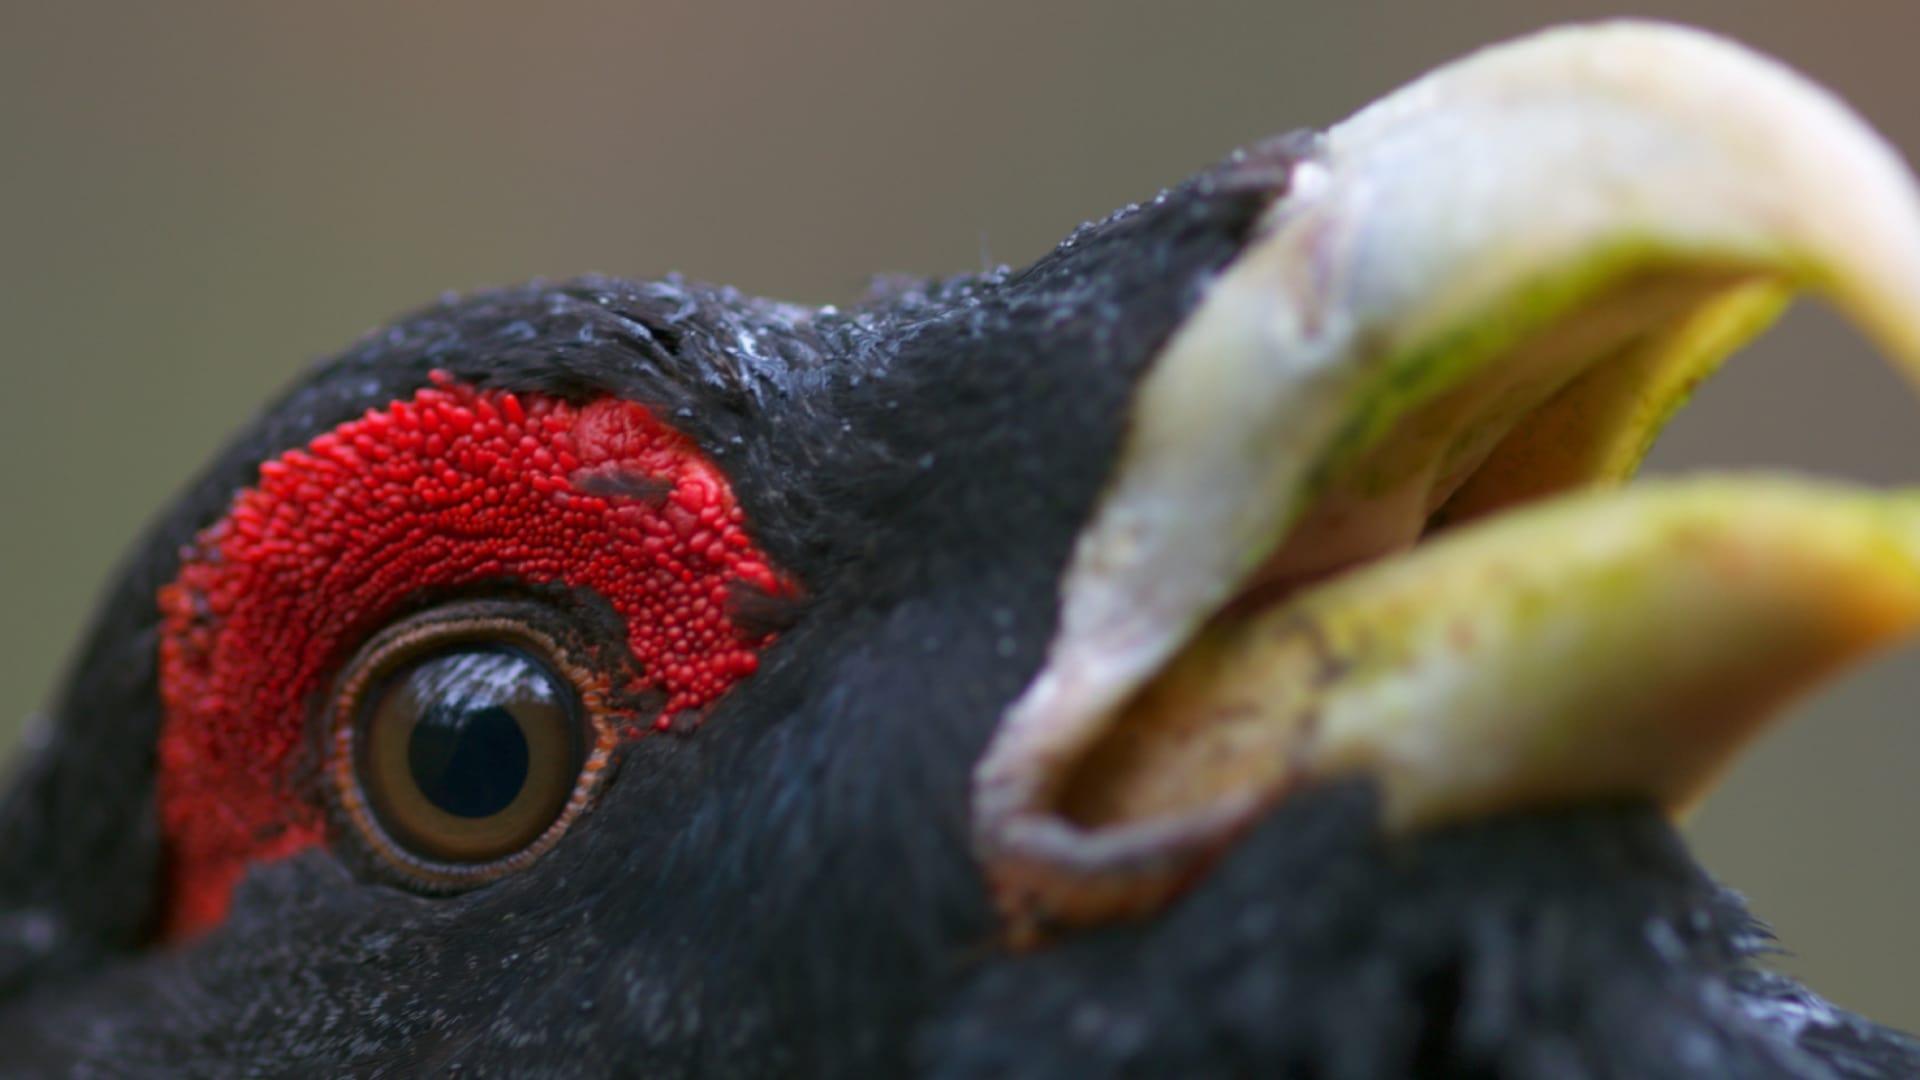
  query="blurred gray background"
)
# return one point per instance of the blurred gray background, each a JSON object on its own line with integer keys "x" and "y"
{"x": 196, "y": 200}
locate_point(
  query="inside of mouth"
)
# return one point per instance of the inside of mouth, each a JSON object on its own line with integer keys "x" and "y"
{"x": 1452, "y": 433}
{"x": 1572, "y": 404}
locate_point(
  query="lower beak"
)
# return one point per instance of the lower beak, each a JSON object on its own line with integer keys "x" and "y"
{"x": 1361, "y": 524}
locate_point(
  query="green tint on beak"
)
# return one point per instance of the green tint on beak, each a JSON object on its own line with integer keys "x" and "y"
{"x": 1317, "y": 556}
{"x": 1595, "y": 646}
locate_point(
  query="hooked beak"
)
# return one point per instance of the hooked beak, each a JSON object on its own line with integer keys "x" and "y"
{"x": 1361, "y": 522}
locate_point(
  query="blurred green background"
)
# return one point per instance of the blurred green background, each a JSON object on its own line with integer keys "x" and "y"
{"x": 199, "y": 199}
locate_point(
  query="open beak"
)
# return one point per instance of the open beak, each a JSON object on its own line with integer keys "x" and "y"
{"x": 1367, "y": 519}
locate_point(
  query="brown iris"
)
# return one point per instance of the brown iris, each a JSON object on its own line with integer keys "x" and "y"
{"x": 464, "y": 744}
{"x": 467, "y": 755}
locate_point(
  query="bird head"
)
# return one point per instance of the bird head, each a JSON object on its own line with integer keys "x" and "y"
{"x": 1228, "y": 644}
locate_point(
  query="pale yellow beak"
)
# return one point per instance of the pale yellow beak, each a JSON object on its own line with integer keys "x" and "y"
{"x": 1360, "y": 527}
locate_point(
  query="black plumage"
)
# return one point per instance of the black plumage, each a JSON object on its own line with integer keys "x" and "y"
{"x": 789, "y": 889}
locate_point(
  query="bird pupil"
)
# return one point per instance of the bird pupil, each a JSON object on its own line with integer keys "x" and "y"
{"x": 469, "y": 759}
{"x": 469, "y": 752}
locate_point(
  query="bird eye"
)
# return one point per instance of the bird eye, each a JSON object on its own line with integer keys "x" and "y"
{"x": 469, "y": 754}
{"x": 463, "y": 746}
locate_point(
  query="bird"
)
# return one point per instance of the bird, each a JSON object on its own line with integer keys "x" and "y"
{"x": 1230, "y": 645}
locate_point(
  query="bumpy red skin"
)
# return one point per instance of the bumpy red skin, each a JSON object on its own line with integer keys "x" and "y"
{"x": 452, "y": 487}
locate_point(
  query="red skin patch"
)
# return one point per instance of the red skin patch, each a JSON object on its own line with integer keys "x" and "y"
{"x": 452, "y": 487}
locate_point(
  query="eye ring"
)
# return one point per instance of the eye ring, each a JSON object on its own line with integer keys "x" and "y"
{"x": 507, "y": 644}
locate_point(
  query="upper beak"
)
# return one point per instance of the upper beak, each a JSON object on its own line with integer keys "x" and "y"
{"x": 1491, "y": 287}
